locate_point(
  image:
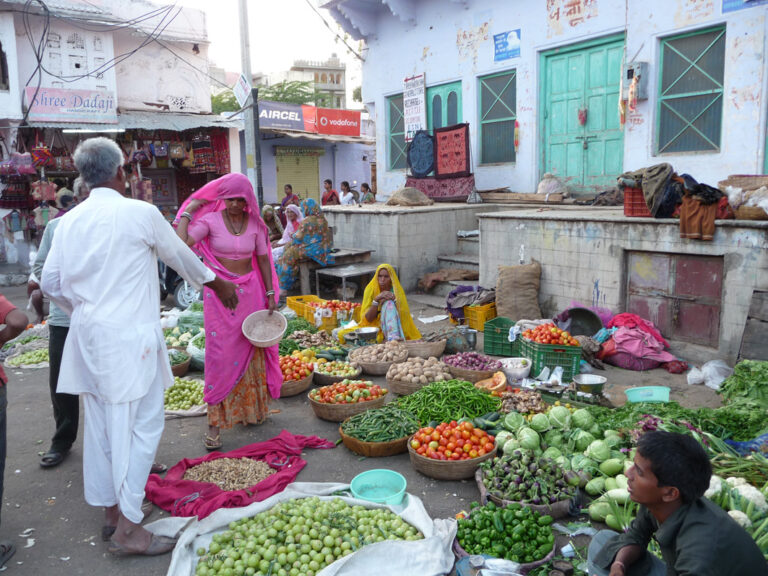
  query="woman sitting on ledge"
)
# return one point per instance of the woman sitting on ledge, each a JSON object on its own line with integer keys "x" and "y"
{"x": 386, "y": 307}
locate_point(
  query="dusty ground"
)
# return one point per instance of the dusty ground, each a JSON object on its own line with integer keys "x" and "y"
{"x": 65, "y": 538}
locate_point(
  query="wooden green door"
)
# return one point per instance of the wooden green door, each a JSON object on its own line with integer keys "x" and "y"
{"x": 581, "y": 138}
{"x": 444, "y": 105}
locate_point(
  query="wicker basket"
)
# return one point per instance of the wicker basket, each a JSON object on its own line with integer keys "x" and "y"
{"x": 326, "y": 379}
{"x": 180, "y": 370}
{"x": 557, "y": 510}
{"x": 418, "y": 349}
{"x": 340, "y": 412}
{"x": 750, "y": 213}
{"x": 470, "y": 375}
{"x": 447, "y": 469}
{"x": 374, "y": 449}
{"x": 744, "y": 181}
{"x": 294, "y": 387}
{"x": 524, "y": 568}
{"x": 404, "y": 388}
{"x": 378, "y": 368}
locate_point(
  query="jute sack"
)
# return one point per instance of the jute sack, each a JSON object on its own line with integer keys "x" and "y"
{"x": 517, "y": 291}
{"x": 409, "y": 197}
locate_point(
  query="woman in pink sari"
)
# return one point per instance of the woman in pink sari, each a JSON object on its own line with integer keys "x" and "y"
{"x": 222, "y": 223}
{"x": 294, "y": 216}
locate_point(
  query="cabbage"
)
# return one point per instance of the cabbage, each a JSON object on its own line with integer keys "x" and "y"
{"x": 560, "y": 417}
{"x": 611, "y": 467}
{"x": 529, "y": 438}
{"x": 582, "y": 419}
{"x": 583, "y": 439}
{"x": 540, "y": 423}
{"x": 553, "y": 438}
{"x": 599, "y": 450}
{"x": 510, "y": 446}
{"x": 618, "y": 454}
{"x": 613, "y": 441}
{"x": 607, "y": 433}
{"x": 595, "y": 430}
{"x": 502, "y": 437}
{"x": 552, "y": 452}
{"x": 513, "y": 421}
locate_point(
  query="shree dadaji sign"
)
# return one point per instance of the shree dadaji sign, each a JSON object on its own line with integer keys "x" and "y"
{"x": 63, "y": 105}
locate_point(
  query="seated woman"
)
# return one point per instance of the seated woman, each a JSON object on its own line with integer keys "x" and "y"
{"x": 386, "y": 307}
{"x": 368, "y": 196}
{"x": 312, "y": 241}
{"x": 294, "y": 216}
{"x": 273, "y": 223}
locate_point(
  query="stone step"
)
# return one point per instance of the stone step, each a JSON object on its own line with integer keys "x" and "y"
{"x": 460, "y": 261}
{"x": 426, "y": 304}
{"x": 444, "y": 288}
{"x": 470, "y": 246}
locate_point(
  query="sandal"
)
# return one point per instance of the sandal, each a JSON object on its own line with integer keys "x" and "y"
{"x": 157, "y": 545}
{"x": 52, "y": 458}
{"x": 212, "y": 442}
{"x": 7, "y": 550}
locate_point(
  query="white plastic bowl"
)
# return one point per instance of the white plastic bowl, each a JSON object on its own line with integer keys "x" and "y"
{"x": 263, "y": 329}
{"x": 515, "y": 373}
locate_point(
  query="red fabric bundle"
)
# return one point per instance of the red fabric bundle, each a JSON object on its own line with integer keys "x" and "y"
{"x": 188, "y": 498}
{"x": 635, "y": 321}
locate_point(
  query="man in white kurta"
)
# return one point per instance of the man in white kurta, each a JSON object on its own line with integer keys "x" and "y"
{"x": 102, "y": 270}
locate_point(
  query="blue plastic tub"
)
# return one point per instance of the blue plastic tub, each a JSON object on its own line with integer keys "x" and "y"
{"x": 381, "y": 486}
{"x": 648, "y": 394}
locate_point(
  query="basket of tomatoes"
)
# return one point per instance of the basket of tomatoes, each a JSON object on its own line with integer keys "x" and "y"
{"x": 341, "y": 400}
{"x": 548, "y": 345}
{"x": 451, "y": 450}
{"x": 327, "y": 373}
{"x": 297, "y": 375}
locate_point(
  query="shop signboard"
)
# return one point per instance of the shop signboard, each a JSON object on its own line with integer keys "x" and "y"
{"x": 333, "y": 121}
{"x": 242, "y": 90}
{"x": 66, "y": 105}
{"x": 414, "y": 105}
{"x": 282, "y": 116}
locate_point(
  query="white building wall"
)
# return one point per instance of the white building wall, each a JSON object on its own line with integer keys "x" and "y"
{"x": 70, "y": 54}
{"x": 155, "y": 79}
{"x": 10, "y": 100}
{"x": 454, "y": 41}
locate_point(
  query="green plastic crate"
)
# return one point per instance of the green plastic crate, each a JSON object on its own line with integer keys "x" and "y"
{"x": 495, "y": 340}
{"x": 551, "y": 355}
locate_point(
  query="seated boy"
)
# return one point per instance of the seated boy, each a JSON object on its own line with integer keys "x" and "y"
{"x": 696, "y": 537}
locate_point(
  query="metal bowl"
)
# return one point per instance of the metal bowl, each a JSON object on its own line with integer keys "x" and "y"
{"x": 368, "y": 333}
{"x": 589, "y": 383}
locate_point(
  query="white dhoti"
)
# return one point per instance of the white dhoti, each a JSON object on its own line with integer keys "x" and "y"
{"x": 119, "y": 447}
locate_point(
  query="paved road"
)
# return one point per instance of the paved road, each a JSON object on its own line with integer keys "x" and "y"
{"x": 66, "y": 529}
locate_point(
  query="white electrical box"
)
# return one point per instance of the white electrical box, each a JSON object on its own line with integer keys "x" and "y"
{"x": 631, "y": 71}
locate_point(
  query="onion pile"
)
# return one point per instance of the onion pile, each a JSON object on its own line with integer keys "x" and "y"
{"x": 472, "y": 361}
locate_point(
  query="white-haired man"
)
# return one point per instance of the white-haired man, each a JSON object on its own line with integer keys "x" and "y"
{"x": 102, "y": 271}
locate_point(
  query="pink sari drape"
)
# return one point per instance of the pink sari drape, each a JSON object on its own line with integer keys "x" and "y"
{"x": 227, "y": 352}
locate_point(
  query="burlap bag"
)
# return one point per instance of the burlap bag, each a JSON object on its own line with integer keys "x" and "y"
{"x": 517, "y": 291}
{"x": 409, "y": 197}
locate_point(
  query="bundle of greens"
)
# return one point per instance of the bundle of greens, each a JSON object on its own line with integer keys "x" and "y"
{"x": 748, "y": 381}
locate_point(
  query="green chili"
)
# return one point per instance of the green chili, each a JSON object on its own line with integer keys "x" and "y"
{"x": 449, "y": 400}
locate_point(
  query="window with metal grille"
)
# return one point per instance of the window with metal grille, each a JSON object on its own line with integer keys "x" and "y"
{"x": 690, "y": 112}
{"x": 396, "y": 132}
{"x": 498, "y": 111}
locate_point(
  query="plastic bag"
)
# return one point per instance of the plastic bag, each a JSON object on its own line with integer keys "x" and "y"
{"x": 715, "y": 371}
{"x": 196, "y": 352}
{"x": 695, "y": 377}
{"x": 190, "y": 321}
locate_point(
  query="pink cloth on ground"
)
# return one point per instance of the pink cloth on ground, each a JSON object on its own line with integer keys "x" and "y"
{"x": 635, "y": 321}
{"x": 640, "y": 344}
{"x": 188, "y": 498}
{"x": 223, "y": 243}
{"x": 227, "y": 352}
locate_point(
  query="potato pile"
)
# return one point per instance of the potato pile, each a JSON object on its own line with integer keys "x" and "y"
{"x": 419, "y": 371}
{"x": 387, "y": 352}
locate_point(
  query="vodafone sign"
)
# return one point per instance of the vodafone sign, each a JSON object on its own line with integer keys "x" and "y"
{"x": 339, "y": 122}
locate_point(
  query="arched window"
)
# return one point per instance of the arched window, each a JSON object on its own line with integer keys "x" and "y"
{"x": 437, "y": 111}
{"x": 453, "y": 109}
{"x": 338, "y": 78}
{"x": 324, "y": 78}
{"x": 4, "y": 83}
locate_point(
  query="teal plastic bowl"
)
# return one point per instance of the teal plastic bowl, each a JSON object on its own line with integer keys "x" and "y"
{"x": 381, "y": 486}
{"x": 648, "y": 394}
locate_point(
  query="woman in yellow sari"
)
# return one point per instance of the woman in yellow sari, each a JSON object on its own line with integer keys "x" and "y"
{"x": 386, "y": 307}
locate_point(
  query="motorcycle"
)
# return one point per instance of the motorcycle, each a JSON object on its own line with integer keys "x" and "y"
{"x": 173, "y": 284}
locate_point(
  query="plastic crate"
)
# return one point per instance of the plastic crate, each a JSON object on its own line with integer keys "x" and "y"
{"x": 551, "y": 355}
{"x": 476, "y": 316}
{"x": 634, "y": 204}
{"x": 495, "y": 339}
{"x": 328, "y": 323}
{"x": 296, "y": 303}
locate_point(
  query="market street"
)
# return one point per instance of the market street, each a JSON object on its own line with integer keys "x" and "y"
{"x": 66, "y": 530}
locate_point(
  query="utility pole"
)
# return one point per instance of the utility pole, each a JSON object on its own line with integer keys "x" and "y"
{"x": 252, "y": 139}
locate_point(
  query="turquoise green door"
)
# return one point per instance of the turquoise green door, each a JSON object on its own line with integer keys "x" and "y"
{"x": 581, "y": 138}
{"x": 444, "y": 105}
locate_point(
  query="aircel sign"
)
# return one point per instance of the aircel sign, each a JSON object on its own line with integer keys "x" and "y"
{"x": 341, "y": 122}
{"x": 286, "y": 116}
